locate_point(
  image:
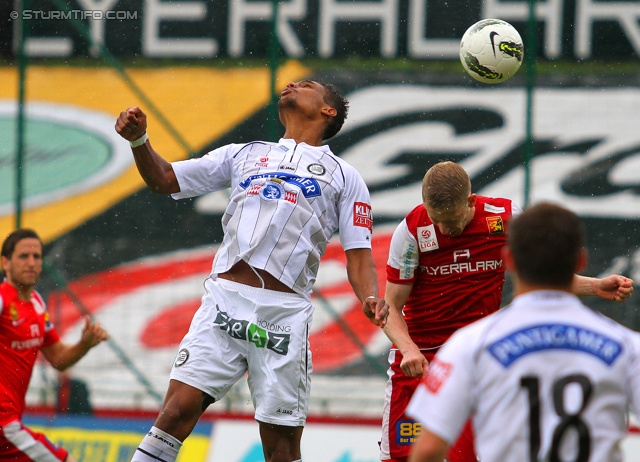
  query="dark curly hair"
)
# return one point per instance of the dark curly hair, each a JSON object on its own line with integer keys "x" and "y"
{"x": 340, "y": 104}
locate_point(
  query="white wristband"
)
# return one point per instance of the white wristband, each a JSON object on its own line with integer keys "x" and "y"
{"x": 371, "y": 296}
{"x": 140, "y": 141}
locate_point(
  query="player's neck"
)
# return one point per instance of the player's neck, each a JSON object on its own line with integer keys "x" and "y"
{"x": 24, "y": 292}
{"x": 302, "y": 128}
{"x": 304, "y": 135}
{"x": 521, "y": 288}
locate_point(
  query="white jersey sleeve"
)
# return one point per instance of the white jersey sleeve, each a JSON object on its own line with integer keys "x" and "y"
{"x": 355, "y": 214}
{"x": 634, "y": 373}
{"x": 211, "y": 172}
{"x": 515, "y": 209}
{"x": 403, "y": 252}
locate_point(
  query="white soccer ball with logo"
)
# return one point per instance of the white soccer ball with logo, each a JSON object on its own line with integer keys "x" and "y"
{"x": 491, "y": 51}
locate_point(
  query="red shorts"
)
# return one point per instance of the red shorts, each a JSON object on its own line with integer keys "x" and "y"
{"x": 33, "y": 445}
{"x": 399, "y": 431}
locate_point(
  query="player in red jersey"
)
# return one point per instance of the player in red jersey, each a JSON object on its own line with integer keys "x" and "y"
{"x": 24, "y": 331}
{"x": 445, "y": 270}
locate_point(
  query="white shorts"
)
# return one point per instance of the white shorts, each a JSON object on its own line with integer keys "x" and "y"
{"x": 238, "y": 329}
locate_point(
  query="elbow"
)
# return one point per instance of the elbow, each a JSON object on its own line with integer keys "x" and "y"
{"x": 163, "y": 187}
{"x": 60, "y": 366}
{"x": 158, "y": 189}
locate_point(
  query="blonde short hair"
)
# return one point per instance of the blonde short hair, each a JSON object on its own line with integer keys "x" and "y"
{"x": 446, "y": 185}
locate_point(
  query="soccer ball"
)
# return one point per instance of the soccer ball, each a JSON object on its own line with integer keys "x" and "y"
{"x": 491, "y": 51}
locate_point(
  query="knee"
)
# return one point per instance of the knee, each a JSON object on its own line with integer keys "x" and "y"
{"x": 172, "y": 412}
{"x": 177, "y": 418}
{"x": 286, "y": 449}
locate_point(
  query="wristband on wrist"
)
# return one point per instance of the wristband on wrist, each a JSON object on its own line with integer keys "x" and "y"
{"x": 371, "y": 296}
{"x": 140, "y": 141}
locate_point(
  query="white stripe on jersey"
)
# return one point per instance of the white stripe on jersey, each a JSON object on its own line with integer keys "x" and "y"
{"x": 26, "y": 443}
{"x": 287, "y": 200}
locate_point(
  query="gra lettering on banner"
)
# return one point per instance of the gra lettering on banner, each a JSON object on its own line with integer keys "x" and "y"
{"x": 210, "y": 28}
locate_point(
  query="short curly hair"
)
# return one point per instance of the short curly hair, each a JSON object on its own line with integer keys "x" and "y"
{"x": 446, "y": 185}
{"x": 340, "y": 104}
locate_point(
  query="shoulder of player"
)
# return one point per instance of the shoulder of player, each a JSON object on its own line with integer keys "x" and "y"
{"x": 418, "y": 216}
{"x": 36, "y": 297}
{"x": 7, "y": 293}
{"x": 234, "y": 149}
{"x": 615, "y": 328}
{"x": 238, "y": 148}
{"x": 494, "y": 205}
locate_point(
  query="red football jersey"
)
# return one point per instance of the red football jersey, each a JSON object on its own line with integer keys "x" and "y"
{"x": 456, "y": 279}
{"x": 24, "y": 329}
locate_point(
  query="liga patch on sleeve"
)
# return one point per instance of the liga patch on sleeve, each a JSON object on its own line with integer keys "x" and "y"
{"x": 362, "y": 215}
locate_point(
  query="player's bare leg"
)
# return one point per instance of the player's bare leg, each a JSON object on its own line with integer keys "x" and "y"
{"x": 280, "y": 443}
{"x": 183, "y": 406}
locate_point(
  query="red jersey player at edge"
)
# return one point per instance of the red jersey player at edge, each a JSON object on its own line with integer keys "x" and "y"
{"x": 546, "y": 378}
{"x": 25, "y": 330}
{"x": 444, "y": 271}
{"x": 287, "y": 200}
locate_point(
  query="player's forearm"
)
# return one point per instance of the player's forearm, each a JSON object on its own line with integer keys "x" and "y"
{"x": 361, "y": 272}
{"x": 156, "y": 172}
{"x": 63, "y": 356}
{"x": 397, "y": 331}
{"x": 583, "y": 286}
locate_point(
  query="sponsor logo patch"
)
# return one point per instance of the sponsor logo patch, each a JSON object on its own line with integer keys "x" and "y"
{"x": 13, "y": 311}
{"x": 493, "y": 209}
{"x": 554, "y": 337}
{"x": 427, "y": 239}
{"x": 182, "y": 357}
{"x": 362, "y": 215}
{"x": 316, "y": 169}
{"x": 407, "y": 431}
{"x": 308, "y": 186}
{"x": 272, "y": 191}
{"x": 495, "y": 225}
{"x": 438, "y": 373}
{"x": 240, "y": 329}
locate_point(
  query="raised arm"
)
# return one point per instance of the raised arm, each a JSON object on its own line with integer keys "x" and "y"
{"x": 613, "y": 287}
{"x": 361, "y": 271}
{"x": 62, "y": 356}
{"x": 156, "y": 172}
{"x": 413, "y": 363}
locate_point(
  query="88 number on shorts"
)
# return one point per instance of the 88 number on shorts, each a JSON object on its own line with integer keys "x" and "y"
{"x": 407, "y": 432}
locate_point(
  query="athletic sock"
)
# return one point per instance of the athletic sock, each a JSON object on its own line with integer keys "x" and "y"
{"x": 157, "y": 446}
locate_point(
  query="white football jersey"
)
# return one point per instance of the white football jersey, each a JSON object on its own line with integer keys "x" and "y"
{"x": 544, "y": 379}
{"x": 287, "y": 200}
